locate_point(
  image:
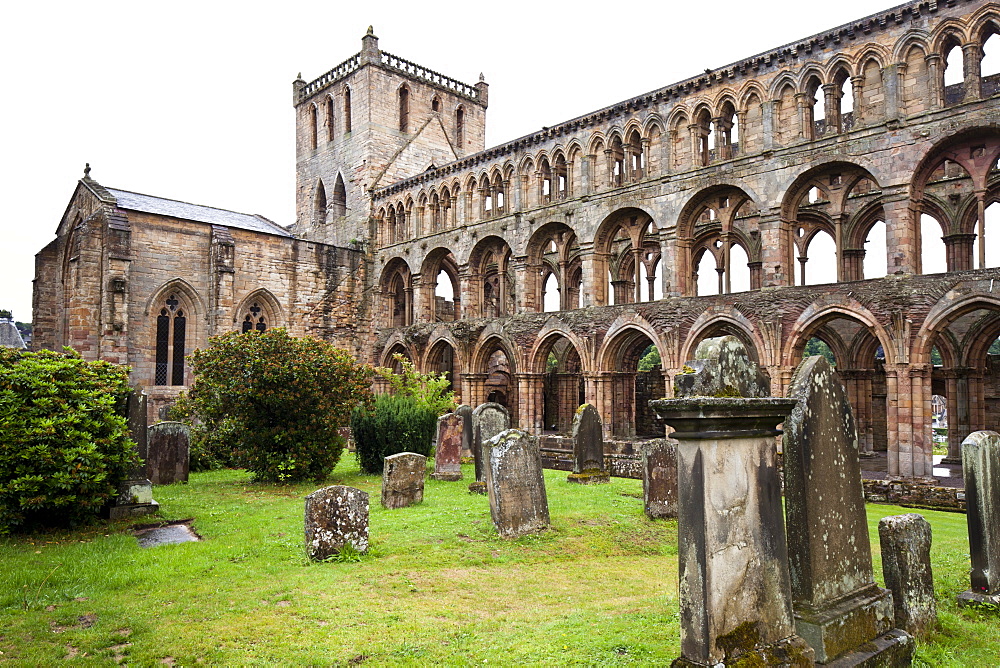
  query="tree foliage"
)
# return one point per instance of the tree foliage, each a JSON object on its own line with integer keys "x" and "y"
{"x": 431, "y": 391}
{"x": 396, "y": 423}
{"x": 650, "y": 359}
{"x": 816, "y": 346}
{"x": 278, "y": 400}
{"x": 65, "y": 443}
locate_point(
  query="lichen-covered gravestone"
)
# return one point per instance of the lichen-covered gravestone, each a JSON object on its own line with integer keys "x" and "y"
{"x": 488, "y": 420}
{"x": 465, "y": 412}
{"x": 403, "y": 480}
{"x": 981, "y": 470}
{"x": 588, "y": 448}
{"x": 515, "y": 484}
{"x": 659, "y": 478}
{"x": 448, "y": 451}
{"x": 906, "y": 567}
{"x": 722, "y": 368}
{"x": 336, "y": 516}
{"x": 169, "y": 447}
{"x": 838, "y": 606}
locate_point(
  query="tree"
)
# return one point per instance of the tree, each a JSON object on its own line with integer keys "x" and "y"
{"x": 65, "y": 443}
{"x": 430, "y": 391}
{"x": 280, "y": 399}
{"x": 816, "y": 346}
{"x": 650, "y": 359}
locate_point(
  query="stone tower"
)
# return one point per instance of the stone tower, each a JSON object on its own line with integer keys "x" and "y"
{"x": 370, "y": 121}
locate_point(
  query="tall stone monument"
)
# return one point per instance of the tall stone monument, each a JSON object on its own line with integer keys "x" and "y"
{"x": 838, "y": 606}
{"x": 588, "y": 448}
{"x": 488, "y": 420}
{"x": 135, "y": 493}
{"x": 448, "y": 451}
{"x": 465, "y": 412}
{"x": 981, "y": 470}
{"x": 515, "y": 483}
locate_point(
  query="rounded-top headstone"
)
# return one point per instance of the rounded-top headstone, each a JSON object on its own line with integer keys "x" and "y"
{"x": 403, "y": 479}
{"x": 336, "y": 516}
{"x": 722, "y": 368}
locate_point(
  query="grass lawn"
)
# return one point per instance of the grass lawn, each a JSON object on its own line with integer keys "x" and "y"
{"x": 438, "y": 586}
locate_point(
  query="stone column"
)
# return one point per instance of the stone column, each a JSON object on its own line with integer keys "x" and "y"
{"x": 890, "y": 83}
{"x": 935, "y": 79}
{"x": 806, "y": 123}
{"x": 972, "y": 58}
{"x": 734, "y": 582}
{"x": 857, "y": 86}
{"x": 831, "y": 106}
{"x": 532, "y": 387}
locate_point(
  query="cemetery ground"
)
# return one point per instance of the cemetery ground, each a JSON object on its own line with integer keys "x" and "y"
{"x": 437, "y": 586}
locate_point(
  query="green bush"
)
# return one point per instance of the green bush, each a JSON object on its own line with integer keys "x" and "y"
{"x": 394, "y": 424}
{"x": 65, "y": 444}
{"x": 213, "y": 446}
{"x": 430, "y": 391}
{"x": 274, "y": 403}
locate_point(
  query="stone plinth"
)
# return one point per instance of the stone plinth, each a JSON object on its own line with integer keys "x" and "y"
{"x": 734, "y": 583}
{"x": 488, "y": 420}
{"x": 448, "y": 451}
{"x": 659, "y": 478}
{"x": 588, "y": 448}
{"x": 906, "y": 567}
{"x": 838, "y": 607}
{"x": 516, "y": 486}
{"x": 135, "y": 493}
{"x": 169, "y": 453}
{"x": 336, "y": 516}
{"x": 403, "y": 480}
{"x": 981, "y": 470}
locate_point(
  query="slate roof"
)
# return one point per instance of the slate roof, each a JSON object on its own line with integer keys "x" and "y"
{"x": 195, "y": 212}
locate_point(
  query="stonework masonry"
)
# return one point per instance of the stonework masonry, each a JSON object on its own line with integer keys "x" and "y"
{"x": 539, "y": 272}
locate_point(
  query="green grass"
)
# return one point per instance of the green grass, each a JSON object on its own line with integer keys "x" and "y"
{"x": 438, "y": 585}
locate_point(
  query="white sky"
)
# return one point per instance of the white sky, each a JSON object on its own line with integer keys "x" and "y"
{"x": 192, "y": 100}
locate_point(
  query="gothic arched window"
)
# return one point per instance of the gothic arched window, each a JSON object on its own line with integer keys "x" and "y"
{"x": 254, "y": 319}
{"x": 171, "y": 326}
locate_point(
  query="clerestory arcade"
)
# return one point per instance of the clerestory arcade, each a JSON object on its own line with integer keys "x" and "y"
{"x": 838, "y": 188}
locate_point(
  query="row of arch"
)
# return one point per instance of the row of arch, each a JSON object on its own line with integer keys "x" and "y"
{"x": 834, "y": 225}
{"x": 929, "y": 71}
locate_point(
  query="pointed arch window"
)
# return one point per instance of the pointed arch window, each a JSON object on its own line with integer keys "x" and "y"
{"x": 171, "y": 331}
{"x": 347, "y": 111}
{"x": 254, "y": 319}
{"x": 339, "y": 204}
{"x": 313, "y": 126}
{"x": 460, "y": 129}
{"x": 329, "y": 119}
{"x": 404, "y": 109}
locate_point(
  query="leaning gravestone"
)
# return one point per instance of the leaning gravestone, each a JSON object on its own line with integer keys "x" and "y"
{"x": 588, "y": 448}
{"x": 336, "y": 516}
{"x": 515, "y": 484}
{"x": 722, "y": 368}
{"x": 448, "y": 451}
{"x": 465, "y": 412}
{"x": 169, "y": 450}
{"x": 659, "y": 478}
{"x": 838, "y": 606}
{"x": 906, "y": 567}
{"x": 488, "y": 420}
{"x": 981, "y": 470}
{"x": 403, "y": 480}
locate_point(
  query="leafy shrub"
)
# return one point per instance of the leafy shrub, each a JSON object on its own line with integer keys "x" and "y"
{"x": 65, "y": 443}
{"x": 431, "y": 391}
{"x": 394, "y": 424}
{"x": 213, "y": 446}
{"x": 274, "y": 403}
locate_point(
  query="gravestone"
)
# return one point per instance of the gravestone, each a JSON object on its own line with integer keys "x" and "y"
{"x": 981, "y": 470}
{"x": 135, "y": 492}
{"x": 515, "y": 484}
{"x": 588, "y": 448}
{"x": 169, "y": 450}
{"x": 336, "y": 516}
{"x": 659, "y": 478}
{"x": 722, "y": 368}
{"x": 906, "y": 567}
{"x": 488, "y": 420}
{"x": 403, "y": 480}
{"x": 448, "y": 451}
{"x": 838, "y": 606}
{"x": 465, "y": 412}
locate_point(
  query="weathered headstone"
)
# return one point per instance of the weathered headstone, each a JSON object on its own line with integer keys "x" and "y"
{"x": 659, "y": 478}
{"x": 722, "y": 368}
{"x": 465, "y": 412}
{"x": 169, "y": 450}
{"x": 515, "y": 483}
{"x": 403, "y": 480}
{"x": 448, "y": 451}
{"x": 135, "y": 493}
{"x": 735, "y": 596}
{"x": 838, "y": 606}
{"x": 488, "y": 420}
{"x": 906, "y": 567}
{"x": 336, "y": 516}
{"x": 981, "y": 470}
{"x": 588, "y": 447}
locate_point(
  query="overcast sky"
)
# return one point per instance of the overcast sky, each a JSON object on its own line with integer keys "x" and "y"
{"x": 193, "y": 100}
